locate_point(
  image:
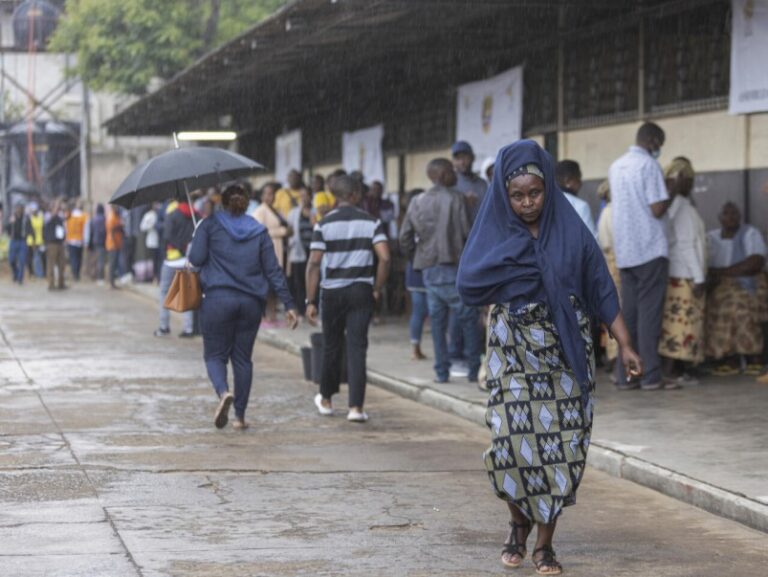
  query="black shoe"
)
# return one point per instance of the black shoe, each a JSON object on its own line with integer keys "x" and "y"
{"x": 222, "y": 411}
{"x": 186, "y": 335}
{"x": 162, "y": 332}
{"x": 632, "y": 385}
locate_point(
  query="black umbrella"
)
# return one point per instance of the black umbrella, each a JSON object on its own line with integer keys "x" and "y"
{"x": 174, "y": 173}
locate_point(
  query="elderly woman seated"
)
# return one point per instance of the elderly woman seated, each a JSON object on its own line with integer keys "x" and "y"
{"x": 736, "y": 259}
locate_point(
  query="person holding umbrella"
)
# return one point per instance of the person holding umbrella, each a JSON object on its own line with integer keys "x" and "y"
{"x": 238, "y": 266}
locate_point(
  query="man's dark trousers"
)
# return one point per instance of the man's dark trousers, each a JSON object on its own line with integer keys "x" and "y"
{"x": 347, "y": 311}
{"x": 643, "y": 289}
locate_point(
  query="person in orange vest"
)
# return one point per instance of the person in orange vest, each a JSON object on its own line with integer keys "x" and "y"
{"x": 76, "y": 222}
{"x": 114, "y": 243}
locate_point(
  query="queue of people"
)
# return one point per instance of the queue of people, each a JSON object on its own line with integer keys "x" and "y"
{"x": 50, "y": 240}
{"x": 689, "y": 295}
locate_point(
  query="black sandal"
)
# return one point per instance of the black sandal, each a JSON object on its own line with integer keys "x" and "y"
{"x": 548, "y": 561}
{"x": 515, "y": 548}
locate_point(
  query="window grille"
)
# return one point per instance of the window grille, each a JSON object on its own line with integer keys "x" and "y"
{"x": 687, "y": 58}
{"x": 600, "y": 76}
{"x": 540, "y": 92}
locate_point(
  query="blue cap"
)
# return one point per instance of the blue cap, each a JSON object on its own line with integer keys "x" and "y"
{"x": 461, "y": 146}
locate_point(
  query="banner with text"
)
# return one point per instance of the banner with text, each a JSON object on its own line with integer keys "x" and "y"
{"x": 749, "y": 49}
{"x": 287, "y": 154}
{"x": 489, "y": 113}
{"x": 362, "y": 150}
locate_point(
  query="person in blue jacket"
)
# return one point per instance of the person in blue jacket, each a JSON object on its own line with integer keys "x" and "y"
{"x": 237, "y": 268}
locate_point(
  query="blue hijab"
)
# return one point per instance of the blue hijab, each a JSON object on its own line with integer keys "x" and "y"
{"x": 503, "y": 263}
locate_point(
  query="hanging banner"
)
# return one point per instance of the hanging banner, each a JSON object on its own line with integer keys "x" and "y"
{"x": 489, "y": 113}
{"x": 287, "y": 154}
{"x": 749, "y": 48}
{"x": 362, "y": 150}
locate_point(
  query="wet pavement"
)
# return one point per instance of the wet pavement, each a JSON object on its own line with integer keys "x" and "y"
{"x": 110, "y": 466}
{"x": 713, "y": 432}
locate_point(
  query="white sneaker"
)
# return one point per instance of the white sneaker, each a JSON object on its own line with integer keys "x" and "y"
{"x": 322, "y": 409}
{"x": 356, "y": 416}
{"x": 459, "y": 369}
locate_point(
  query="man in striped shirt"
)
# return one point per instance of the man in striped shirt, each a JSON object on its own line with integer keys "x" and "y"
{"x": 344, "y": 243}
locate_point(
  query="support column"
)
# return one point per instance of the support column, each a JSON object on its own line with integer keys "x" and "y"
{"x": 747, "y": 165}
{"x": 85, "y": 147}
{"x": 641, "y": 67}
{"x": 562, "y": 147}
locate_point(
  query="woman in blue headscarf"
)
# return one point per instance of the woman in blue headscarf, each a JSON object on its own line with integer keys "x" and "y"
{"x": 532, "y": 258}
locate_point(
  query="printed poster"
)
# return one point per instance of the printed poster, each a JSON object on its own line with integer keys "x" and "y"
{"x": 362, "y": 150}
{"x": 489, "y": 113}
{"x": 749, "y": 49}
{"x": 287, "y": 154}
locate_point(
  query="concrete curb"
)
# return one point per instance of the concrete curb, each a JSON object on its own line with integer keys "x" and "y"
{"x": 713, "y": 499}
{"x": 708, "y": 497}
{"x": 681, "y": 487}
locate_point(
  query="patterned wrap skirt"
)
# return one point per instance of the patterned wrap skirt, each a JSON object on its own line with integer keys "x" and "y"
{"x": 540, "y": 429}
{"x": 761, "y": 294}
{"x": 733, "y": 320}
{"x": 682, "y": 327}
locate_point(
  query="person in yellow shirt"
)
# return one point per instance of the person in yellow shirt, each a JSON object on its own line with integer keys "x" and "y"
{"x": 288, "y": 198}
{"x": 35, "y": 240}
{"x": 323, "y": 200}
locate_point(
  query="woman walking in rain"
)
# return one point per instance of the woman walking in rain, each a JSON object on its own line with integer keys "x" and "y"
{"x": 532, "y": 258}
{"x": 237, "y": 268}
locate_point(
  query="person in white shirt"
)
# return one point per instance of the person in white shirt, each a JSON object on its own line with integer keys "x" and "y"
{"x": 736, "y": 257}
{"x": 682, "y": 329}
{"x": 605, "y": 240}
{"x": 568, "y": 176}
{"x": 148, "y": 226}
{"x": 640, "y": 202}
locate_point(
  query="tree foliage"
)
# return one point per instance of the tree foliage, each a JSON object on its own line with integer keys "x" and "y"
{"x": 12, "y": 110}
{"x": 122, "y": 45}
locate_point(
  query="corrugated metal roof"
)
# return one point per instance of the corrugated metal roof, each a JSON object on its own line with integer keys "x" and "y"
{"x": 313, "y": 56}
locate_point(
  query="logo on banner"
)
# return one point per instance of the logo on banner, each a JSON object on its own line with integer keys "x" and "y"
{"x": 487, "y": 113}
{"x": 749, "y": 13}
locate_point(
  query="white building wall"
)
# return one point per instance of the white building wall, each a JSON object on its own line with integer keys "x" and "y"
{"x": 6, "y": 23}
{"x": 44, "y": 76}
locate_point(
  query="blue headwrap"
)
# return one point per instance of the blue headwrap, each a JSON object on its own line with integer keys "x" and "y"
{"x": 503, "y": 263}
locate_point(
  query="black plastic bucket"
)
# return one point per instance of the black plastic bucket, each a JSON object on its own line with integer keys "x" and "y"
{"x": 316, "y": 356}
{"x": 306, "y": 361}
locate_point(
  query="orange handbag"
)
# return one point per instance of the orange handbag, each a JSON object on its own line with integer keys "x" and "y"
{"x": 185, "y": 293}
